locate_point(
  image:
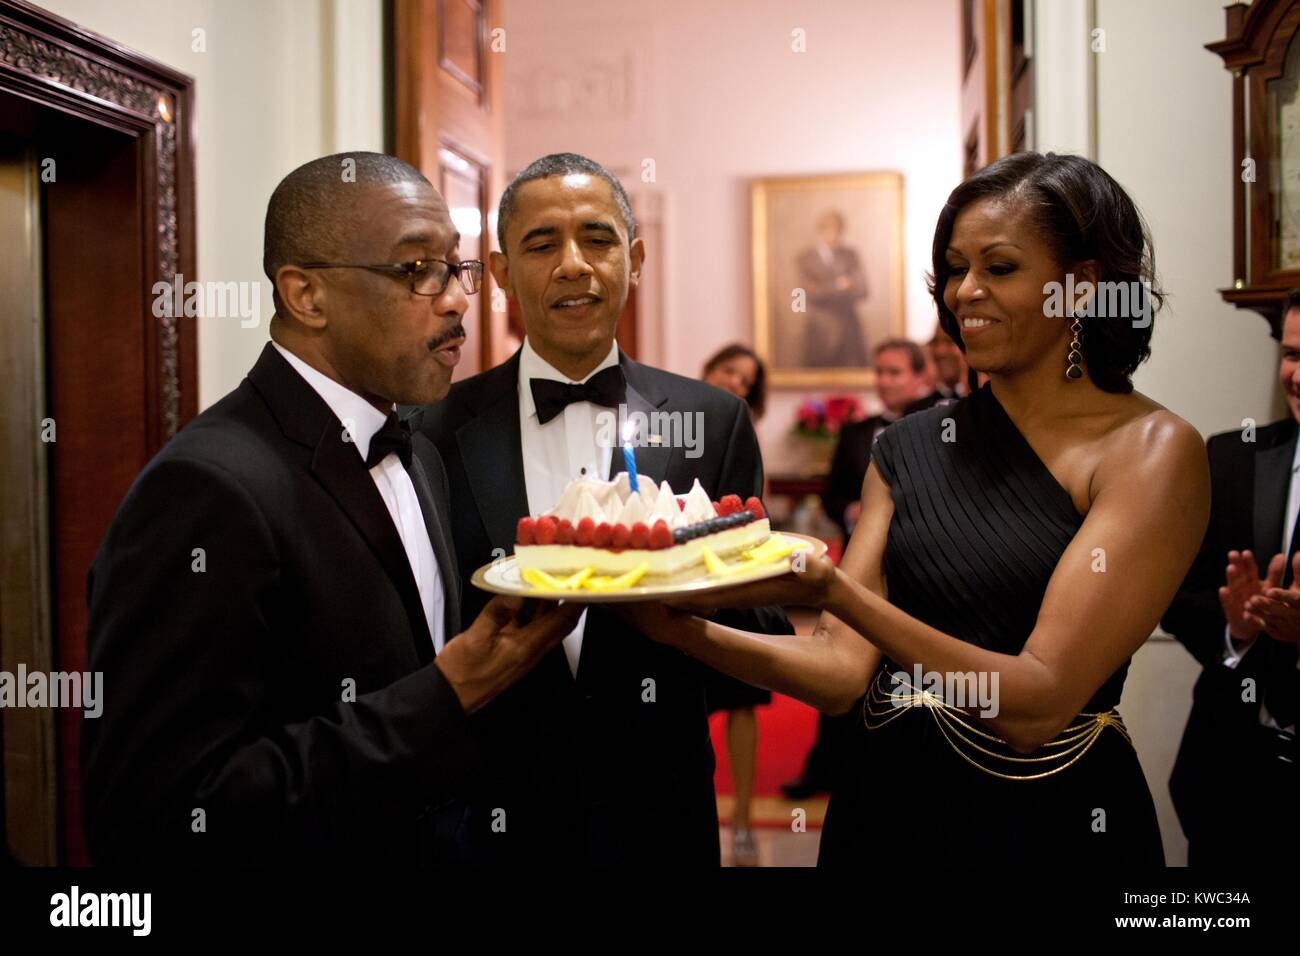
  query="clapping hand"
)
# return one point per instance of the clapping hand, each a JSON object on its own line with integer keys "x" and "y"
{"x": 1273, "y": 608}
{"x": 1242, "y": 585}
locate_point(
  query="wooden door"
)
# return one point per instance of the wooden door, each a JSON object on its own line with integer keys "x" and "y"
{"x": 997, "y": 80}
{"x": 447, "y": 80}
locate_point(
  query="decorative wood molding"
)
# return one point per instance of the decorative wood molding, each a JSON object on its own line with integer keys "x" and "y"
{"x": 55, "y": 63}
{"x": 121, "y": 388}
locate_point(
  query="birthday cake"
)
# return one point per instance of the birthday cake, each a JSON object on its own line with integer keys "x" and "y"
{"x": 605, "y": 535}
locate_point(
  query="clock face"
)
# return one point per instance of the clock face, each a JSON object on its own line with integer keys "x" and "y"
{"x": 1284, "y": 104}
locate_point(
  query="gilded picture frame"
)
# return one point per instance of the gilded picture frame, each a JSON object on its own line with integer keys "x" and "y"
{"x": 828, "y": 275}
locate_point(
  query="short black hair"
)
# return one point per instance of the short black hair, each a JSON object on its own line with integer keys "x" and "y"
{"x": 308, "y": 213}
{"x": 1292, "y": 301}
{"x": 562, "y": 164}
{"x": 1083, "y": 213}
{"x": 914, "y": 352}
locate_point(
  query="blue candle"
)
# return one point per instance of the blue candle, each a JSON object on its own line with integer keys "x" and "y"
{"x": 629, "y": 462}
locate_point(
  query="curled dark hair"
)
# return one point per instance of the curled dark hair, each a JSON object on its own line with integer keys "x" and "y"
{"x": 1083, "y": 214}
{"x": 757, "y": 397}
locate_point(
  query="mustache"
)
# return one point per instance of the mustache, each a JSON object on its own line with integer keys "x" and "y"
{"x": 457, "y": 331}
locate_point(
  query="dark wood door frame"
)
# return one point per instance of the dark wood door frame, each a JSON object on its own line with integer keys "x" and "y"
{"x": 110, "y": 421}
{"x": 55, "y": 63}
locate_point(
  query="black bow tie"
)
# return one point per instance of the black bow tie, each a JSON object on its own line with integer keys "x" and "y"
{"x": 395, "y": 438}
{"x": 607, "y": 387}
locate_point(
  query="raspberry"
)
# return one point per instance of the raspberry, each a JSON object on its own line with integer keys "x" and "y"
{"x": 564, "y": 532}
{"x": 756, "y": 507}
{"x": 525, "y": 532}
{"x": 681, "y": 504}
{"x": 661, "y": 536}
{"x": 731, "y": 504}
{"x": 640, "y": 535}
{"x": 546, "y": 530}
{"x": 717, "y": 509}
{"x": 618, "y": 537}
{"x": 601, "y": 537}
{"x": 585, "y": 533}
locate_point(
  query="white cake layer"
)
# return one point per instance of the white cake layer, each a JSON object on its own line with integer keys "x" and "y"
{"x": 567, "y": 558}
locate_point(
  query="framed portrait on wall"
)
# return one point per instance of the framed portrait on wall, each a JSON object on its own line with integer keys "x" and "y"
{"x": 828, "y": 275}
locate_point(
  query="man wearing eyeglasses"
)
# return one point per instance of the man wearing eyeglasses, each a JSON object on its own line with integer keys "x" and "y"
{"x": 273, "y": 604}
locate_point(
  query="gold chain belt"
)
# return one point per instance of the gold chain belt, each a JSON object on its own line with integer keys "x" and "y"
{"x": 884, "y": 704}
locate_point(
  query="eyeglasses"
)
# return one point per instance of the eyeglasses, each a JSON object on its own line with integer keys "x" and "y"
{"x": 427, "y": 276}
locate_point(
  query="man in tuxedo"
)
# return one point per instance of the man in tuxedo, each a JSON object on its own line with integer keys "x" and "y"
{"x": 900, "y": 377}
{"x": 831, "y": 274}
{"x": 1235, "y": 784}
{"x": 272, "y": 605}
{"x": 946, "y": 366}
{"x": 601, "y": 755}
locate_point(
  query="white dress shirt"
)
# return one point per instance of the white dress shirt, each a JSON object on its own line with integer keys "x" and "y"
{"x": 564, "y": 448}
{"x": 1237, "y": 649}
{"x": 394, "y": 484}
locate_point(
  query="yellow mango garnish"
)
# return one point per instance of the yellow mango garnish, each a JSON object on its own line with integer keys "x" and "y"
{"x": 773, "y": 549}
{"x": 712, "y": 562}
{"x": 548, "y": 582}
{"x": 605, "y": 583}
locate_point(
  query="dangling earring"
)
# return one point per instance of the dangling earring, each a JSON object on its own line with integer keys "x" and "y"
{"x": 1072, "y": 369}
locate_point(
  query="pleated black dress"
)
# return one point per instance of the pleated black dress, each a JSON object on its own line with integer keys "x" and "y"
{"x": 979, "y": 525}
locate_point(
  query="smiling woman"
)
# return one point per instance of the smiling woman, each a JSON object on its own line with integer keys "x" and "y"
{"x": 1029, "y": 535}
{"x": 1088, "y": 230}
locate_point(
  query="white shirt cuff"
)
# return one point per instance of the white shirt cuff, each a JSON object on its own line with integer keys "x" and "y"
{"x": 1235, "y": 649}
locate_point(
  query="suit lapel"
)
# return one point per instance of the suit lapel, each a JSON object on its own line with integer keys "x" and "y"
{"x": 494, "y": 460}
{"x": 644, "y": 398}
{"x": 341, "y": 471}
{"x": 307, "y": 419}
{"x": 439, "y": 539}
{"x": 1272, "y": 483}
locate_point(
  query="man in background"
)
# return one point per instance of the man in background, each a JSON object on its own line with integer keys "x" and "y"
{"x": 1236, "y": 781}
{"x": 947, "y": 371}
{"x": 900, "y": 379}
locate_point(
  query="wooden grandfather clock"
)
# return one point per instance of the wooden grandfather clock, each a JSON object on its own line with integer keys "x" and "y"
{"x": 1262, "y": 52}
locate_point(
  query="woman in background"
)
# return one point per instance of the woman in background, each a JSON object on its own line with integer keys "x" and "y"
{"x": 738, "y": 370}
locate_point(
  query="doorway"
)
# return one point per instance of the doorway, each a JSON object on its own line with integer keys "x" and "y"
{"x": 97, "y": 183}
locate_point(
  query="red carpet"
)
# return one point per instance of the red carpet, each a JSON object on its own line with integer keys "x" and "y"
{"x": 785, "y": 733}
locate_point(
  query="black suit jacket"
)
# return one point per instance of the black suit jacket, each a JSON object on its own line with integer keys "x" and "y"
{"x": 849, "y": 468}
{"x": 937, "y": 397}
{"x": 591, "y": 770}
{"x": 1217, "y": 758}
{"x": 225, "y": 669}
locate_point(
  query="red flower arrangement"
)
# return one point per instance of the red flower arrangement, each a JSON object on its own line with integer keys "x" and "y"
{"x": 823, "y": 418}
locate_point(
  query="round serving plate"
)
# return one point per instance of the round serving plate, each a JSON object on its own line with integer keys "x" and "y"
{"x": 502, "y": 577}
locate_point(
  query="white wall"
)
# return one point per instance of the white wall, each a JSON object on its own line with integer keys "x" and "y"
{"x": 714, "y": 94}
{"x": 279, "y": 83}
{"x": 1165, "y": 132}
{"x": 1163, "y": 128}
